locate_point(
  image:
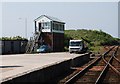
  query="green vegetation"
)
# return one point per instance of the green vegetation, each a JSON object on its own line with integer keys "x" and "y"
{"x": 13, "y": 38}
{"x": 95, "y": 38}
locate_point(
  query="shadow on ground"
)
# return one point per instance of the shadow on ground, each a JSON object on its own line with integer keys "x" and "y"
{"x": 10, "y": 66}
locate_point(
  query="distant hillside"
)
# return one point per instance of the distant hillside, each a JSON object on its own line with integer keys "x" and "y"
{"x": 95, "y": 37}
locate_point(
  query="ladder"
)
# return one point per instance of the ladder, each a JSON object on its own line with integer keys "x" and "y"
{"x": 33, "y": 43}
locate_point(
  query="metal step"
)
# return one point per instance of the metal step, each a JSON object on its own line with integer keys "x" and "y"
{"x": 32, "y": 43}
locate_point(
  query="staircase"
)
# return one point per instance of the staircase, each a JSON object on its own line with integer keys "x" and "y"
{"x": 33, "y": 43}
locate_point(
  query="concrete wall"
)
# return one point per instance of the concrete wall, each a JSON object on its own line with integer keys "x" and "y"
{"x": 16, "y": 46}
{"x": 22, "y": 46}
{"x": 13, "y": 46}
{"x": 0, "y": 47}
{"x": 7, "y": 47}
{"x": 45, "y": 75}
{"x": 49, "y": 74}
{"x": 78, "y": 61}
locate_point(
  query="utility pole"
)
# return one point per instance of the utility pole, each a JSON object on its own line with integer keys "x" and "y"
{"x": 26, "y": 27}
{"x": 25, "y": 20}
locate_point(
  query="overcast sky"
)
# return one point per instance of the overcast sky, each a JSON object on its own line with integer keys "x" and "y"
{"x": 76, "y": 15}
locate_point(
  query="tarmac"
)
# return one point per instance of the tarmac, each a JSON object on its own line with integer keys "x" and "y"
{"x": 16, "y": 65}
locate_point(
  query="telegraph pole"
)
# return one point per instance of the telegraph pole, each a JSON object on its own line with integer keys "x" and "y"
{"x": 25, "y": 24}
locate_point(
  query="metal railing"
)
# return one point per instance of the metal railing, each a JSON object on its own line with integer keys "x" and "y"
{"x": 33, "y": 43}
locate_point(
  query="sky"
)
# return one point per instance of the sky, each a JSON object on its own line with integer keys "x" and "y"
{"x": 76, "y": 15}
{"x": 60, "y": 0}
{"x": 119, "y": 20}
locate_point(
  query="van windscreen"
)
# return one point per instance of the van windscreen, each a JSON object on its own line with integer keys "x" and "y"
{"x": 75, "y": 43}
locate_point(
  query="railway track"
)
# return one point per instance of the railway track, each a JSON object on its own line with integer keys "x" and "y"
{"x": 113, "y": 73}
{"x": 104, "y": 69}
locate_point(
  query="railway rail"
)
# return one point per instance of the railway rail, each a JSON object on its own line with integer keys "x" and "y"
{"x": 104, "y": 69}
{"x": 113, "y": 74}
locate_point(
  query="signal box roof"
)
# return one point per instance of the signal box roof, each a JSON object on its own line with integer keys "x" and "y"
{"x": 49, "y": 17}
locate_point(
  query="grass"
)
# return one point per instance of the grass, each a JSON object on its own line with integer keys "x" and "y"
{"x": 97, "y": 49}
{"x": 95, "y": 39}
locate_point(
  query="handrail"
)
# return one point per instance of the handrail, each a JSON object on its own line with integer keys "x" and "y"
{"x": 32, "y": 43}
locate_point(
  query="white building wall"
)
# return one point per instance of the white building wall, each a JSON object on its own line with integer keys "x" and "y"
{"x": 57, "y": 29}
{"x": 42, "y": 20}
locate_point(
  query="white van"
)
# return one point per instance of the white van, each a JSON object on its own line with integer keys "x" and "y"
{"x": 76, "y": 46}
